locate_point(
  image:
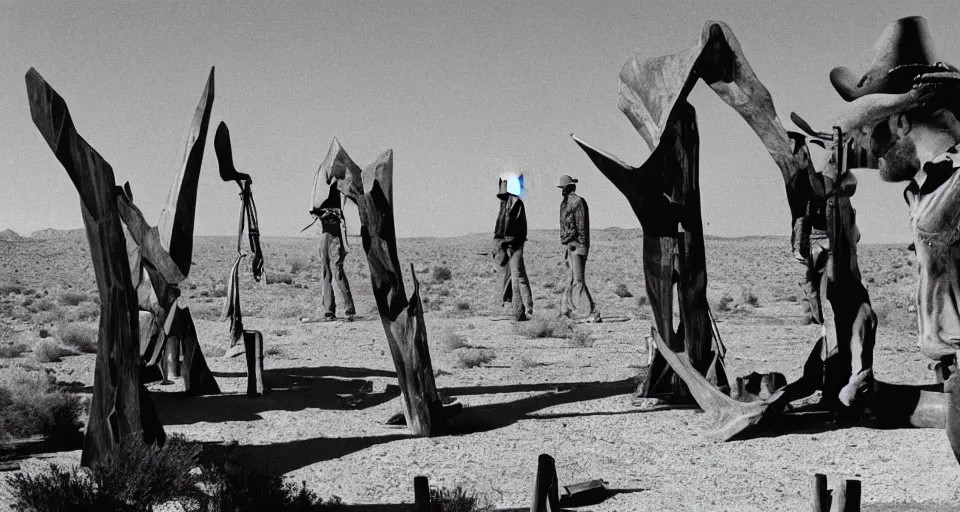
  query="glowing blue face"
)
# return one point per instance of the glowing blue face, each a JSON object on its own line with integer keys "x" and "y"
{"x": 515, "y": 185}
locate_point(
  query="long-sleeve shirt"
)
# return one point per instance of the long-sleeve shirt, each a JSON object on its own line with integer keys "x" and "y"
{"x": 934, "y": 199}
{"x": 575, "y": 222}
{"x": 511, "y": 227}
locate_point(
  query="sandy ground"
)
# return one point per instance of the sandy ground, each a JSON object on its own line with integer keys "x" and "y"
{"x": 319, "y": 426}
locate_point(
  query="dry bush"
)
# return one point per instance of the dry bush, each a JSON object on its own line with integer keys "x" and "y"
{"x": 10, "y": 288}
{"x": 473, "y": 357}
{"x": 622, "y": 291}
{"x": 285, "y": 309}
{"x": 525, "y": 363}
{"x": 78, "y": 336}
{"x": 748, "y": 297}
{"x": 581, "y": 338}
{"x": 218, "y": 292}
{"x": 279, "y": 278}
{"x": 210, "y": 312}
{"x": 725, "y": 303}
{"x": 539, "y": 327}
{"x": 49, "y": 351}
{"x": 31, "y": 404}
{"x": 441, "y": 274}
{"x": 297, "y": 264}
{"x": 178, "y": 476}
{"x": 280, "y": 332}
{"x": 12, "y": 349}
{"x": 450, "y": 341}
{"x": 457, "y": 500}
{"x": 273, "y": 351}
{"x": 896, "y": 315}
{"x": 463, "y": 305}
{"x": 72, "y": 298}
{"x": 42, "y": 305}
{"x": 87, "y": 311}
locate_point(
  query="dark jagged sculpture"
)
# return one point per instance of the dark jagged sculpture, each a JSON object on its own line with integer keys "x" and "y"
{"x": 168, "y": 330}
{"x": 121, "y": 407}
{"x": 248, "y": 216}
{"x": 402, "y": 317}
{"x": 653, "y": 96}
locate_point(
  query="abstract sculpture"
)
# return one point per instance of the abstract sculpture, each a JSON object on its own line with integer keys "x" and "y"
{"x": 402, "y": 318}
{"x": 121, "y": 407}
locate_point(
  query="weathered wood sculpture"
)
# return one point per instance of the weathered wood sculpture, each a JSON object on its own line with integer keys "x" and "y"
{"x": 653, "y": 96}
{"x": 402, "y": 317}
{"x": 248, "y": 216}
{"x": 168, "y": 328}
{"x": 121, "y": 407}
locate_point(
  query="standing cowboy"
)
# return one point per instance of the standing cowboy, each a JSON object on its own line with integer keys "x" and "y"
{"x": 575, "y": 238}
{"x": 510, "y": 234}
{"x": 332, "y": 254}
{"x": 904, "y": 111}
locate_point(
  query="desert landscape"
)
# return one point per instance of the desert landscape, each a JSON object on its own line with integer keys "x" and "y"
{"x": 542, "y": 386}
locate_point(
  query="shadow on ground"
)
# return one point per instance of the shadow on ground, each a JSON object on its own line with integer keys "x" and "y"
{"x": 291, "y": 389}
{"x": 281, "y": 458}
{"x": 493, "y": 416}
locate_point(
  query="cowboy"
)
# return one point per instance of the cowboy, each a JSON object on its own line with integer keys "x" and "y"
{"x": 332, "y": 254}
{"x": 903, "y": 110}
{"x": 575, "y": 238}
{"x": 510, "y": 233}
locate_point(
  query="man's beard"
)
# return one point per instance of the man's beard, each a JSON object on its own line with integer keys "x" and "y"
{"x": 900, "y": 161}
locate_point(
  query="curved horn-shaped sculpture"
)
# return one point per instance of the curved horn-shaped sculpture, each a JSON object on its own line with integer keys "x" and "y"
{"x": 121, "y": 407}
{"x": 402, "y": 317}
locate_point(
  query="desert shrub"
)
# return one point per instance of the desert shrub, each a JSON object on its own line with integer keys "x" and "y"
{"x": 463, "y": 305}
{"x": 473, "y": 357}
{"x": 457, "y": 500}
{"x": 725, "y": 303}
{"x": 441, "y": 274}
{"x": 11, "y": 349}
{"x": 143, "y": 478}
{"x": 218, "y": 292}
{"x": 10, "y": 288}
{"x": 72, "y": 298}
{"x": 31, "y": 404}
{"x": 49, "y": 351}
{"x": 78, "y": 336}
{"x": 748, "y": 297}
{"x": 642, "y": 301}
{"x": 278, "y": 278}
{"x": 581, "y": 338}
{"x": 51, "y": 316}
{"x": 286, "y": 309}
{"x": 87, "y": 311}
{"x": 27, "y": 302}
{"x": 443, "y": 292}
{"x": 524, "y": 363}
{"x": 896, "y": 315}
{"x": 451, "y": 341}
{"x": 43, "y": 332}
{"x": 42, "y": 305}
{"x": 297, "y": 264}
{"x": 622, "y": 291}
{"x": 273, "y": 351}
{"x": 280, "y": 332}
{"x": 539, "y": 327}
{"x": 549, "y": 284}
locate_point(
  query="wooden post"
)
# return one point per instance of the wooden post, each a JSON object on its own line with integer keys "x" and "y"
{"x": 253, "y": 344}
{"x": 421, "y": 493}
{"x": 819, "y": 496}
{"x": 546, "y": 491}
{"x": 120, "y": 406}
{"x": 848, "y": 496}
{"x": 402, "y": 317}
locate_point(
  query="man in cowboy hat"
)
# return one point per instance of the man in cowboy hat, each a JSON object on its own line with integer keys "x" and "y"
{"x": 903, "y": 110}
{"x": 332, "y": 254}
{"x": 510, "y": 233}
{"x": 575, "y": 238}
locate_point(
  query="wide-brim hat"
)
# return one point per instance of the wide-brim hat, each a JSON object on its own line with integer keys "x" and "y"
{"x": 933, "y": 89}
{"x": 565, "y": 180}
{"x": 904, "y": 45}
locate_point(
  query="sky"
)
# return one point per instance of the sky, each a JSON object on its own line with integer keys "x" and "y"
{"x": 462, "y": 92}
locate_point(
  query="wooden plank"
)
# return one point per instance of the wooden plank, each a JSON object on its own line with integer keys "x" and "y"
{"x": 120, "y": 406}
{"x": 253, "y": 345}
{"x": 819, "y": 495}
{"x": 421, "y": 493}
{"x": 546, "y": 492}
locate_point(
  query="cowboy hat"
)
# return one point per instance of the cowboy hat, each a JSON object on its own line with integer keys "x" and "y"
{"x": 901, "y": 76}
{"x": 565, "y": 180}
{"x": 904, "y": 45}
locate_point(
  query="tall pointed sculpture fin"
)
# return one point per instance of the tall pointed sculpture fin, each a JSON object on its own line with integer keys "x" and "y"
{"x": 337, "y": 167}
{"x": 177, "y": 218}
{"x": 148, "y": 239}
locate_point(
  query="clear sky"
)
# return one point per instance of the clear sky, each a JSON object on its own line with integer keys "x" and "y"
{"x": 460, "y": 91}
